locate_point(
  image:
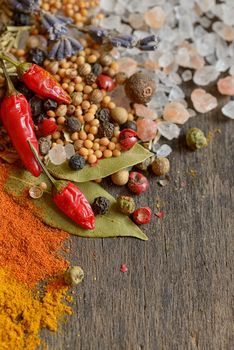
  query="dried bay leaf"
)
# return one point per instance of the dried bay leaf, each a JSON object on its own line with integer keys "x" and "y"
{"x": 104, "y": 167}
{"x": 113, "y": 224}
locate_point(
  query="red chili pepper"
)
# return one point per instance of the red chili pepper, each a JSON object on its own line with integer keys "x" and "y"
{"x": 16, "y": 117}
{"x": 127, "y": 139}
{"x": 40, "y": 81}
{"x": 47, "y": 127}
{"x": 69, "y": 199}
{"x": 142, "y": 216}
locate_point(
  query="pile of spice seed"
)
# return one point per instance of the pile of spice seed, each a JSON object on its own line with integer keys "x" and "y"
{"x": 92, "y": 122}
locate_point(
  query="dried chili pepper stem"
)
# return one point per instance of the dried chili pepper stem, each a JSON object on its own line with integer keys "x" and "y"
{"x": 16, "y": 117}
{"x": 69, "y": 199}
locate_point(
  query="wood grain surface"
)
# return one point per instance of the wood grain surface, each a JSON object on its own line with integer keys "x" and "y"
{"x": 178, "y": 290}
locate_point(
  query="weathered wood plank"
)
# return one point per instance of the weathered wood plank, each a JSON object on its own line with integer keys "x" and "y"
{"x": 178, "y": 291}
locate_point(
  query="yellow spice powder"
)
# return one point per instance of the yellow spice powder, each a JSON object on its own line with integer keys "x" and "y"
{"x": 22, "y": 314}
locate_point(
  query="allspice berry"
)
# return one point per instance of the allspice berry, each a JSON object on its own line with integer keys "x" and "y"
{"x": 74, "y": 275}
{"x": 119, "y": 115}
{"x": 120, "y": 178}
{"x": 161, "y": 166}
{"x": 196, "y": 139}
{"x": 140, "y": 88}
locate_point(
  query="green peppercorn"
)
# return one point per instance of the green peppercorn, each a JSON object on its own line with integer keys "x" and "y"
{"x": 144, "y": 165}
{"x": 161, "y": 166}
{"x": 126, "y": 204}
{"x": 74, "y": 275}
{"x": 196, "y": 139}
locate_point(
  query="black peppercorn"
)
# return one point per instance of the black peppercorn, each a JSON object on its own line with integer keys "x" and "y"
{"x": 76, "y": 162}
{"x": 129, "y": 125}
{"x": 73, "y": 124}
{"x": 50, "y": 104}
{"x": 36, "y": 56}
{"x": 103, "y": 114}
{"x": 36, "y": 105}
{"x": 96, "y": 69}
{"x": 100, "y": 205}
{"x": 90, "y": 78}
{"x": 106, "y": 129}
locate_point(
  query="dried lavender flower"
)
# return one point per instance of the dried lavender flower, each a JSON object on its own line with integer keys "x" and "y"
{"x": 25, "y": 6}
{"x": 63, "y": 47}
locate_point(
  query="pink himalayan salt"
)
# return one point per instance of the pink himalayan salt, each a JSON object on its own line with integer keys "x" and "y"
{"x": 202, "y": 101}
{"x": 146, "y": 129}
{"x": 191, "y": 59}
{"x": 175, "y": 112}
{"x": 127, "y": 65}
{"x": 226, "y": 86}
{"x": 144, "y": 112}
{"x": 155, "y": 17}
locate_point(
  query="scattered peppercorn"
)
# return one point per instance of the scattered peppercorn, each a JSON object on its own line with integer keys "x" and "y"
{"x": 36, "y": 106}
{"x": 76, "y": 162}
{"x": 74, "y": 275}
{"x": 103, "y": 114}
{"x": 196, "y": 139}
{"x": 140, "y": 88}
{"x": 161, "y": 166}
{"x": 119, "y": 115}
{"x": 126, "y": 204}
{"x": 36, "y": 56}
{"x": 73, "y": 124}
{"x": 137, "y": 183}
{"x": 144, "y": 165}
{"x": 90, "y": 78}
{"x": 50, "y": 104}
{"x": 142, "y": 216}
{"x": 120, "y": 178}
{"x": 129, "y": 125}
{"x": 106, "y": 129}
{"x": 96, "y": 69}
{"x": 100, "y": 205}
{"x": 121, "y": 78}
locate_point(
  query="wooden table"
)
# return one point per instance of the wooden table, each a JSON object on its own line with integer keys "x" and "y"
{"x": 178, "y": 290}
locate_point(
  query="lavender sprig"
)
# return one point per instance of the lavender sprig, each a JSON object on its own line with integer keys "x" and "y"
{"x": 64, "y": 47}
{"x": 25, "y": 6}
{"x": 104, "y": 36}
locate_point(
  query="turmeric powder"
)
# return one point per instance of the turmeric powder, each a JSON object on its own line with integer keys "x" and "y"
{"x": 23, "y": 314}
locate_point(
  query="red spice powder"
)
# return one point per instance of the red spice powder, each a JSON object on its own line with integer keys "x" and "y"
{"x": 28, "y": 248}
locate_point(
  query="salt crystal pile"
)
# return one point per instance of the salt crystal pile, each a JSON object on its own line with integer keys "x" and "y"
{"x": 175, "y": 112}
{"x": 146, "y": 129}
{"x": 228, "y": 110}
{"x": 205, "y": 75}
{"x": 226, "y": 86}
{"x": 69, "y": 150}
{"x": 144, "y": 112}
{"x": 168, "y": 130}
{"x": 57, "y": 155}
{"x": 202, "y": 101}
{"x": 127, "y": 65}
{"x": 155, "y": 17}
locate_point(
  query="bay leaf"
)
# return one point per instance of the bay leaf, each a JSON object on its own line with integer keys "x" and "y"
{"x": 104, "y": 167}
{"x": 112, "y": 224}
